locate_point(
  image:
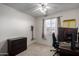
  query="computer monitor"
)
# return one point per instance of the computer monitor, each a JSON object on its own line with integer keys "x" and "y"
{"x": 64, "y": 34}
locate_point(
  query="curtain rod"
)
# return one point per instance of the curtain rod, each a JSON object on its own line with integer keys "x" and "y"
{"x": 53, "y": 17}
{"x": 58, "y": 16}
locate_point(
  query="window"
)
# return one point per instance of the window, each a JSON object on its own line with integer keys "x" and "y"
{"x": 50, "y": 27}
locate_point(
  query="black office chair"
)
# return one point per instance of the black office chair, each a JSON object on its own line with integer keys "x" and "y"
{"x": 55, "y": 43}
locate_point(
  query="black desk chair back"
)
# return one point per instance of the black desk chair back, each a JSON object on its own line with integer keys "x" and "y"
{"x": 55, "y": 43}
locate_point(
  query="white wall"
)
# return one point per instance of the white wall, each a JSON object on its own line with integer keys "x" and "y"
{"x": 14, "y": 24}
{"x": 69, "y": 14}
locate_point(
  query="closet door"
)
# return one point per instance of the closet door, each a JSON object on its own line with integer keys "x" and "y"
{"x": 65, "y": 24}
{"x": 69, "y": 23}
{"x": 72, "y": 24}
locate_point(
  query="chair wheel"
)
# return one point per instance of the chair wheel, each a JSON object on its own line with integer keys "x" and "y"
{"x": 51, "y": 50}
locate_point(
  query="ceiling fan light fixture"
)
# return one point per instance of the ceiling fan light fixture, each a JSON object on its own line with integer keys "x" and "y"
{"x": 43, "y": 8}
{"x": 43, "y": 4}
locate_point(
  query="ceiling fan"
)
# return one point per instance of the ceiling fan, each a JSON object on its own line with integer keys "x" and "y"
{"x": 43, "y": 8}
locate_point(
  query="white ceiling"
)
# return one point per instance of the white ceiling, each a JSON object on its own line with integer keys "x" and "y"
{"x": 29, "y": 8}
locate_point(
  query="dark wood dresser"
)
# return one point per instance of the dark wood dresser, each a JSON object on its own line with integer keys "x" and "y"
{"x": 16, "y": 45}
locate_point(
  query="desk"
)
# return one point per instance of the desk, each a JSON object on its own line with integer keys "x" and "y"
{"x": 67, "y": 51}
{"x": 78, "y": 38}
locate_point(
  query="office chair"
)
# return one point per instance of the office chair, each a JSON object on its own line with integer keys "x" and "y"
{"x": 55, "y": 43}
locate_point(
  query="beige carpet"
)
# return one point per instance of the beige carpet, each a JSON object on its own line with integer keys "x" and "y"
{"x": 37, "y": 50}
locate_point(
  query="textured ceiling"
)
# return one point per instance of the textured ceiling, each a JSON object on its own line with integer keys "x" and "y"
{"x": 29, "y": 8}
